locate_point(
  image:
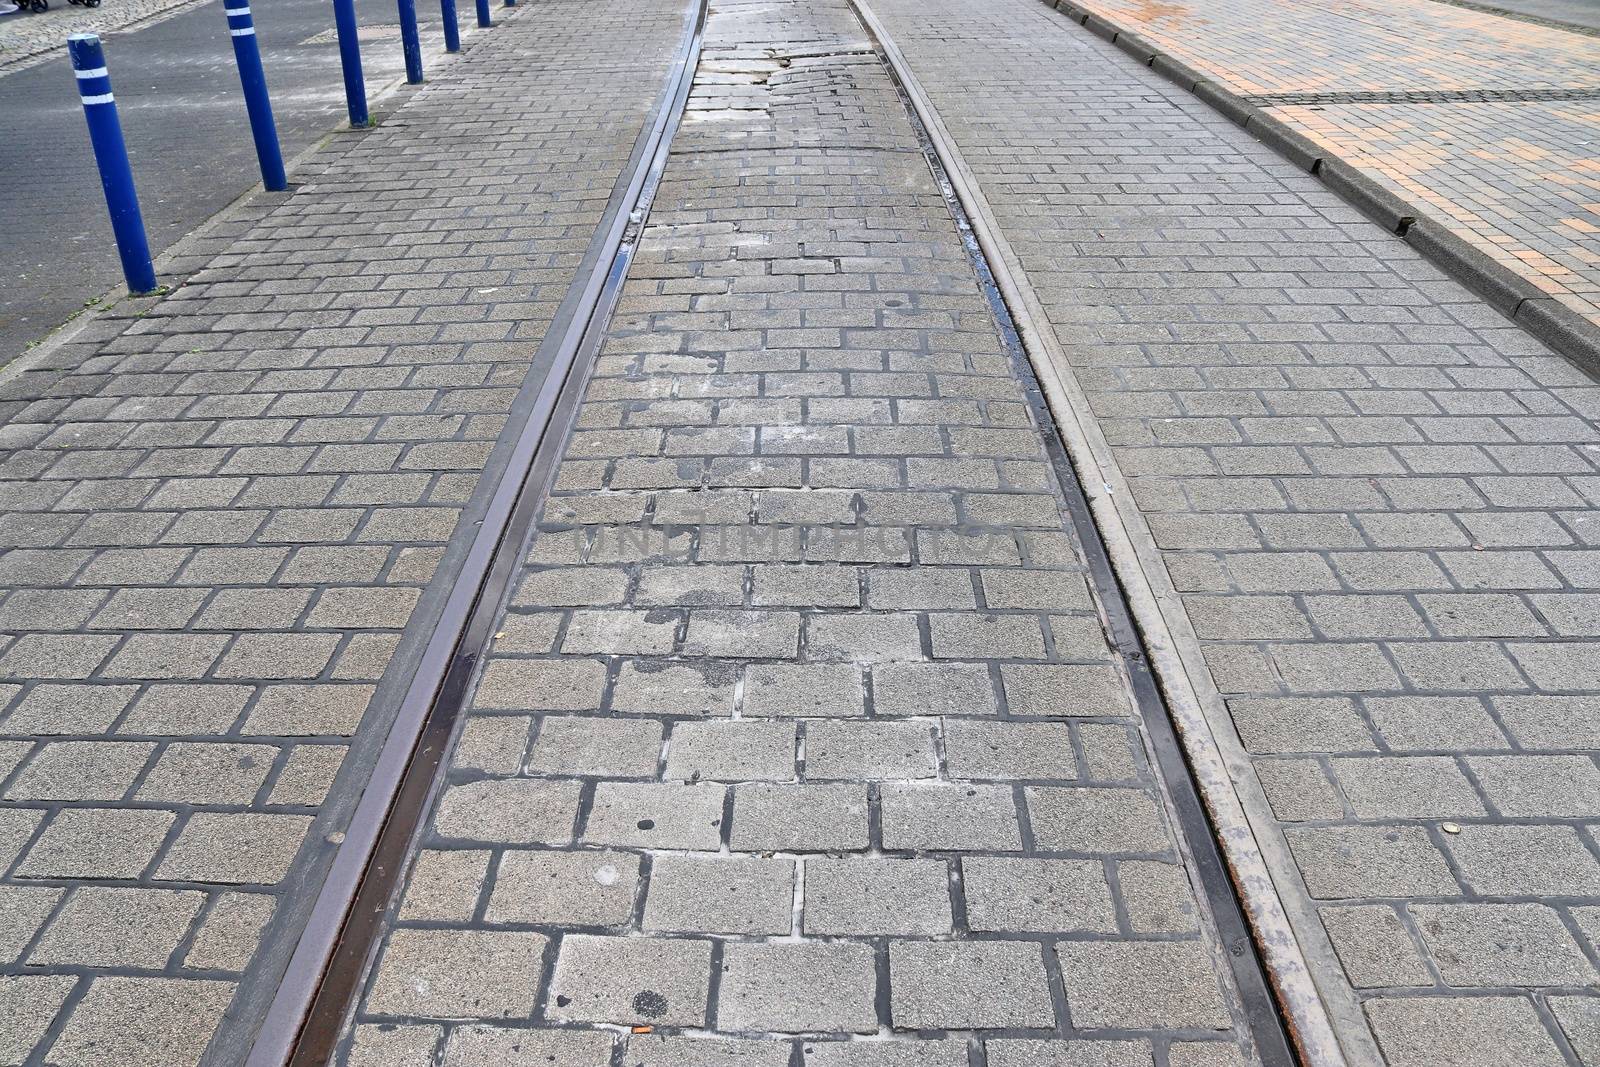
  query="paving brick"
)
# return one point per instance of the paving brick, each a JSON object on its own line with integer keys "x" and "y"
{"x": 656, "y": 815}
{"x": 1374, "y": 947}
{"x": 592, "y": 747}
{"x": 731, "y": 751}
{"x": 974, "y": 985}
{"x": 1501, "y": 945}
{"x": 860, "y": 895}
{"x": 635, "y": 980}
{"x": 30, "y": 1003}
{"x": 798, "y": 987}
{"x": 869, "y": 750}
{"x": 141, "y": 1021}
{"x": 478, "y": 1045}
{"x": 1461, "y": 1031}
{"x": 722, "y": 895}
{"x": 949, "y": 817}
{"x": 458, "y": 974}
{"x": 586, "y": 888}
{"x": 95, "y": 843}
{"x": 1172, "y": 984}
{"x": 1023, "y": 895}
{"x": 509, "y": 811}
{"x": 799, "y": 817}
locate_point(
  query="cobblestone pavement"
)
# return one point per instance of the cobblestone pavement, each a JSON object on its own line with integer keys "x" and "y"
{"x": 229, "y": 518}
{"x": 1518, "y": 178}
{"x": 1377, "y": 501}
{"x": 189, "y": 144}
{"x": 800, "y": 740}
{"x": 26, "y": 35}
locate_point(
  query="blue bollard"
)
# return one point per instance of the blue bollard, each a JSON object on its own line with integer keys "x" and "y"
{"x": 452, "y": 32}
{"x": 483, "y": 13}
{"x": 242, "y": 28}
{"x": 111, "y": 155}
{"x": 409, "y": 41}
{"x": 355, "y": 85}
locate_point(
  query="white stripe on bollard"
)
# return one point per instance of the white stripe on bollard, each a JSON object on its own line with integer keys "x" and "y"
{"x": 98, "y": 72}
{"x": 104, "y": 99}
{"x": 248, "y": 31}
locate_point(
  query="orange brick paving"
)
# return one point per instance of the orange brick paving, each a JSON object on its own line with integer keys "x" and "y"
{"x": 1520, "y": 180}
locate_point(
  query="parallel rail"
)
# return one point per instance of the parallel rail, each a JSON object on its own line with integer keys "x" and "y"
{"x": 1269, "y": 1030}
{"x": 319, "y": 988}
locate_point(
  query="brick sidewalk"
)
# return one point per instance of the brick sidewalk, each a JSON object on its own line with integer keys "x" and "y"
{"x": 801, "y": 738}
{"x": 1376, "y": 499}
{"x": 230, "y": 515}
{"x": 1494, "y": 130}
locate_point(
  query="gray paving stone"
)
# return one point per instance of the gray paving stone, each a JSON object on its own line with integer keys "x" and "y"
{"x": 1029, "y": 895}
{"x": 1142, "y": 985}
{"x": 1009, "y": 750}
{"x": 809, "y": 690}
{"x": 731, "y": 751}
{"x": 798, "y": 988}
{"x": 630, "y": 981}
{"x": 1501, "y": 945}
{"x": 584, "y": 888}
{"x": 81, "y": 770}
{"x": 481, "y": 1046}
{"x": 737, "y": 895}
{"x": 571, "y": 745}
{"x": 973, "y": 985}
{"x": 1374, "y": 947}
{"x": 1159, "y": 897}
{"x": 656, "y": 815}
{"x": 30, "y": 1002}
{"x": 1025, "y": 1052}
{"x": 874, "y": 1053}
{"x": 458, "y": 974}
{"x": 933, "y": 689}
{"x": 515, "y": 811}
{"x": 234, "y": 848}
{"x": 1101, "y": 821}
{"x": 1341, "y": 862}
{"x": 23, "y": 910}
{"x": 1524, "y": 861}
{"x": 659, "y": 1050}
{"x": 869, "y": 895}
{"x": 949, "y": 817}
{"x": 111, "y": 927}
{"x": 870, "y": 750}
{"x": 141, "y": 1021}
{"x": 799, "y": 817}
{"x": 664, "y": 687}
{"x": 1539, "y": 786}
{"x": 94, "y": 843}
{"x": 1461, "y": 1032}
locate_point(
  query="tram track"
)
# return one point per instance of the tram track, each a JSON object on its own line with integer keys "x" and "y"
{"x": 319, "y": 991}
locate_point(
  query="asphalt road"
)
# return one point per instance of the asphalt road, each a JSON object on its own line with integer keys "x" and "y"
{"x": 178, "y": 92}
{"x": 1578, "y": 12}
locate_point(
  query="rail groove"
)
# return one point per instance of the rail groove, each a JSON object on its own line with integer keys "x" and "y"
{"x": 1273, "y": 1034}
{"x": 319, "y": 987}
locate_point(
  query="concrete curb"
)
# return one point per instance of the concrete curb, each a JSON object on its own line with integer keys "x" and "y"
{"x": 1513, "y": 295}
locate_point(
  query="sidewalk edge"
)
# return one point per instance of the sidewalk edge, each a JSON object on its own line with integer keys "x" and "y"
{"x": 1233, "y": 797}
{"x": 382, "y": 104}
{"x": 1513, "y": 295}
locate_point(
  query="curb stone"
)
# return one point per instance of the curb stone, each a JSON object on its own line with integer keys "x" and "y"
{"x": 1514, "y": 296}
